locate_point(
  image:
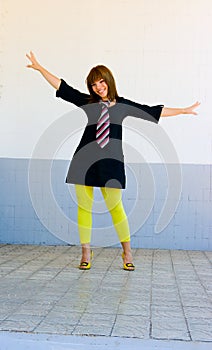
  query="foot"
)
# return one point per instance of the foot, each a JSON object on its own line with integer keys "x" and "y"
{"x": 85, "y": 263}
{"x": 128, "y": 262}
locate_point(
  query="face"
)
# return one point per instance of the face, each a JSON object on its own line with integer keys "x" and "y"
{"x": 100, "y": 88}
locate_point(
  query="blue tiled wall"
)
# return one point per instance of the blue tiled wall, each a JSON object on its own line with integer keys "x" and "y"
{"x": 190, "y": 227}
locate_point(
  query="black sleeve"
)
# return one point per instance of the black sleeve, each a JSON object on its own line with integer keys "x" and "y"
{"x": 134, "y": 109}
{"x": 72, "y": 95}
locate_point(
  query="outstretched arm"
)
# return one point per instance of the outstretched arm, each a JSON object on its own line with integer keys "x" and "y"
{"x": 169, "y": 112}
{"x": 52, "y": 79}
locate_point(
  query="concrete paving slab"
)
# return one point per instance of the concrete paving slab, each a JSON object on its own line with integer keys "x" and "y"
{"x": 167, "y": 297}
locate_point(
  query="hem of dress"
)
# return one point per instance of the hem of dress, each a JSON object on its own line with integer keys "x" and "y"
{"x": 91, "y": 185}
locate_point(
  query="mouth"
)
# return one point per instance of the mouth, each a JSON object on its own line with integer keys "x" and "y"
{"x": 101, "y": 92}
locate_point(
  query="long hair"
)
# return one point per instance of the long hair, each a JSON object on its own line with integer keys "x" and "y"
{"x": 97, "y": 73}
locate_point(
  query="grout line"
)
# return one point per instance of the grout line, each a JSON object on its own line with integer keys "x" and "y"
{"x": 11, "y": 259}
{"x": 195, "y": 270}
{"x": 207, "y": 258}
{"x": 150, "y": 304}
{"x": 181, "y": 302}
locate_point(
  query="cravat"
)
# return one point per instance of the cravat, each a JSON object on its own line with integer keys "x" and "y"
{"x": 103, "y": 125}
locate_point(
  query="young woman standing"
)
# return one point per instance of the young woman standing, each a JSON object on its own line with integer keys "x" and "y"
{"x": 98, "y": 160}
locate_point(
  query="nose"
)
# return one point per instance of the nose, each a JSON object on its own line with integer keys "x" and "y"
{"x": 98, "y": 86}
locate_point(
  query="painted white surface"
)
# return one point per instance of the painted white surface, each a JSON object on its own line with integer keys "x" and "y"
{"x": 20, "y": 341}
{"x": 159, "y": 51}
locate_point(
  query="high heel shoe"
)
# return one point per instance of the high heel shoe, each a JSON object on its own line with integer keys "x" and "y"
{"x": 127, "y": 266}
{"x": 84, "y": 265}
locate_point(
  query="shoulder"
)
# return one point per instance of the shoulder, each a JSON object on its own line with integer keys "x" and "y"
{"x": 125, "y": 100}
{"x": 72, "y": 95}
{"x": 121, "y": 99}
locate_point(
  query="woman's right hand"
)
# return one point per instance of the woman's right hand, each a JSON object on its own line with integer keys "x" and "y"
{"x": 52, "y": 79}
{"x": 34, "y": 63}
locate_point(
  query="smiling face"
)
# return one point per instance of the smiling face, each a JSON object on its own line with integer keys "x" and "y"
{"x": 101, "y": 84}
{"x": 101, "y": 89}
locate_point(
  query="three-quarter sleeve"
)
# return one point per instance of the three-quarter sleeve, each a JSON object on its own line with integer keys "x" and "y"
{"x": 134, "y": 109}
{"x": 68, "y": 93}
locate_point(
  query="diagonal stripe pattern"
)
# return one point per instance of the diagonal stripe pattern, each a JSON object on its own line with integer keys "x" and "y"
{"x": 103, "y": 125}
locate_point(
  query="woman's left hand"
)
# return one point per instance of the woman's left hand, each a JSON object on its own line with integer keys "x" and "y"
{"x": 191, "y": 109}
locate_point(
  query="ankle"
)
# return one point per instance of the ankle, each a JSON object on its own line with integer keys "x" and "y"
{"x": 127, "y": 252}
{"x": 86, "y": 248}
{"x": 126, "y": 248}
{"x": 127, "y": 256}
{"x": 86, "y": 252}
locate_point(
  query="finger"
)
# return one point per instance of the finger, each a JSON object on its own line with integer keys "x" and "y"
{"x": 195, "y": 105}
{"x": 32, "y": 54}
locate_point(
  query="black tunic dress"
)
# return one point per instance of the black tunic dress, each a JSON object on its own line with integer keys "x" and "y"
{"x": 95, "y": 166}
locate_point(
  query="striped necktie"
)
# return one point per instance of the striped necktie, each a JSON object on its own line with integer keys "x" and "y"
{"x": 103, "y": 125}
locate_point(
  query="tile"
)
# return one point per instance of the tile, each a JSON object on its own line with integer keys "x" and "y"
{"x": 96, "y": 319}
{"x": 131, "y": 326}
{"x": 104, "y": 308}
{"x": 163, "y": 298}
{"x": 58, "y": 328}
{"x": 134, "y": 308}
{"x": 71, "y": 305}
{"x": 97, "y": 330}
{"x": 169, "y": 323}
{"x": 166, "y": 312}
{"x": 196, "y": 300}
{"x": 33, "y": 309}
{"x": 170, "y": 334}
{"x": 20, "y": 323}
{"x": 4, "y": 313}
{"x": 200, "y": 329}
{"x": 198, "y": 312}
{"x": 71, "y": 318}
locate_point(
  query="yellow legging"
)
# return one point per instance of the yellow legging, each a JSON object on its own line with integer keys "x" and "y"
{"x": 113, "y": 200}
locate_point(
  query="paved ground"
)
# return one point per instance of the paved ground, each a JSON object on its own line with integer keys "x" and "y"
{"x": 168, "y": 296}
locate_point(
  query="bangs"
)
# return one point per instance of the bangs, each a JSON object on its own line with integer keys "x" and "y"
{"x": 94, "y": 76}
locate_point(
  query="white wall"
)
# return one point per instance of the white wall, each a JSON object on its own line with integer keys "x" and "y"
{"x": 160, "y": 51}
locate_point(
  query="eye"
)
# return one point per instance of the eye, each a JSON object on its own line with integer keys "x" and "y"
{"x": 98, "y": 82}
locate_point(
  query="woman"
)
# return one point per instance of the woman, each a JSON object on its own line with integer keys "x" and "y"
{"x": 98, "y": 160}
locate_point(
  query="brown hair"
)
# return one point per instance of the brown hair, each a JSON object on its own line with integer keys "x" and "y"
{"x": 97, "y": 73}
